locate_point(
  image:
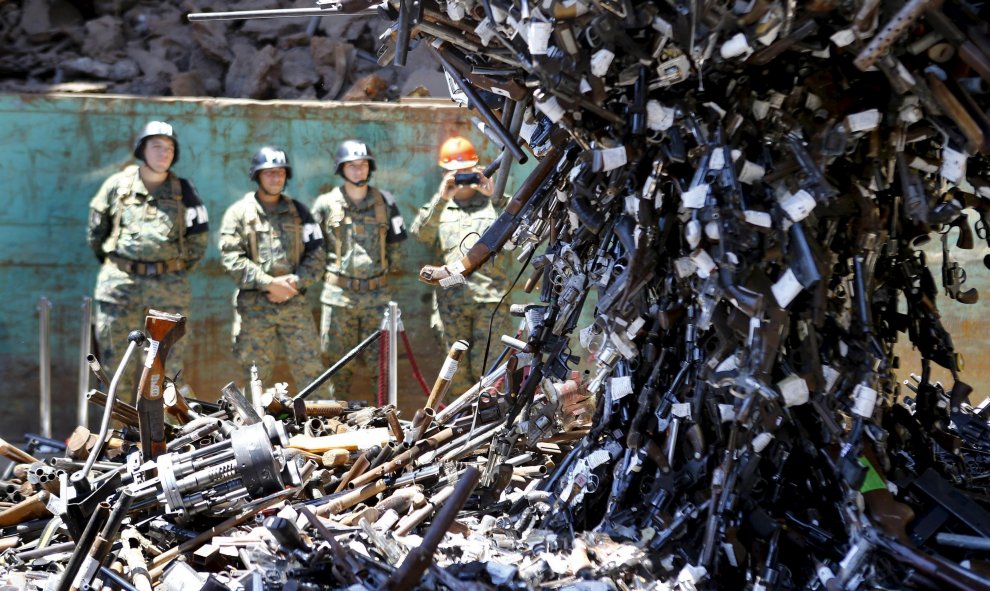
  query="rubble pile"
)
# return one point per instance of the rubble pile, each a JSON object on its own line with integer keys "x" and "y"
{"x": 747, "y": 188}
{"x": 149, "y": 49}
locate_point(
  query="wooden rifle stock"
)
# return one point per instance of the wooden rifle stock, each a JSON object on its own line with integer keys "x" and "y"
{"x": 163, "y": 330}
{"x": 951, "y": 105}
{"x": 967, "y": 44}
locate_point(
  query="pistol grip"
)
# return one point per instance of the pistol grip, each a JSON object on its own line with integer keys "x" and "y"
{"x": 970, "y": 296}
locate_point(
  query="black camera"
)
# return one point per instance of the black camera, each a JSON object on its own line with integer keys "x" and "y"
{"x": 467, "y": 178}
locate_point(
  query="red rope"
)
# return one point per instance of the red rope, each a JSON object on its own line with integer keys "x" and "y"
{"x": 412, "y": 363}
{"x": 383, "y": 368}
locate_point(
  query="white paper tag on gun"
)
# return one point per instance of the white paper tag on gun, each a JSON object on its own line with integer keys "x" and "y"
{"x": 621, "y": 387}
{"x": 152, "y": 352}
{"x": 786, "y": 288}
{"x": 449, "y": 369}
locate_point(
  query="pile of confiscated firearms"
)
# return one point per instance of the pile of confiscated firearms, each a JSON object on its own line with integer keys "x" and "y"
{"x": 748, "y": 187}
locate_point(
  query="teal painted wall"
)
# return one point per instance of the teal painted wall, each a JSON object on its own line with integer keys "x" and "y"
{"x": 57, "y": 150}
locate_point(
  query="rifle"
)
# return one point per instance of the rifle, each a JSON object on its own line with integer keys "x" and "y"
{"x": 814, "y": 180}
{"x": 499, "y": 232}
{"x": 163, "y": 331}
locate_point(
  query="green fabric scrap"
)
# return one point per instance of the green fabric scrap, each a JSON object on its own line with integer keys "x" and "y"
{"x": 873, "y": 480}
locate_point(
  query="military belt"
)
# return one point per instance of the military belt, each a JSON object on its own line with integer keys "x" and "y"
{"x": 355, "y": 284}
{"x": 147, "y": 268}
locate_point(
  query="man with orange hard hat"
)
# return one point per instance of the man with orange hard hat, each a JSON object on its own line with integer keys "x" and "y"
{"x": 450, "y": 223}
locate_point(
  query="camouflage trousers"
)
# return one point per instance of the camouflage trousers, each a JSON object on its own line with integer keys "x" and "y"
{"x": 115, "y": 321}
{"x": 261, "y": 328}
{"x": 342, "y": 329}
{"x": 469, "y": 321}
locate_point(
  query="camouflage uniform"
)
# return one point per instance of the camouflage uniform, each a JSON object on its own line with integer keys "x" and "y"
{"x": 147, "y": 242}
{"x": 362, "y": 246}
{"x": 450, "y": 228}
{"x": 256, "y": 245}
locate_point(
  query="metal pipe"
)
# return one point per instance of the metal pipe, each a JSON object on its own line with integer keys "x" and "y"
{"x": 336, "y": 366}
{"x": 482, "y": 107}
{"x": 486, "y": 432}
{"x": 257, "y": 389}
{"x": 513, "y": 117}
{"x": 393, "y": 424}
{"x": 393, "y": 353}
{"x": 86, "y": 540}
{"x": 44, "y": 367}
{"x": 274, "y": 13}
{"x": 402, "y": 33}
{"x": 407, "y": 523}
{"x": 420, "y": 423}
{"x": 94, "y": 365}
{"x": 116, "y": 579}
{"x": 85, "y": 341}
{"x": 351, "y": 498}
{"x": 359, "y": 467}
{"x": 122, "y": 411}
{"x": 963, "y": 541}
{"x": 39, "y": 552}
{"x": 135, "y": 338}
{"x": 421, "y": 557}
{"x": 100, "y": 549}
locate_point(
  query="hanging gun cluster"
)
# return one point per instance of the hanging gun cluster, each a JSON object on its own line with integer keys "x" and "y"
{"x": 747, "y": 188}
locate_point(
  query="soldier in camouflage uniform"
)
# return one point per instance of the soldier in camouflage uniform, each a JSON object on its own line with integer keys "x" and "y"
{"x": 273, "y": 248}
{"x": 450, "y": 224}
{"x": 149, "y": 228}
{"x": 362, "y": 229}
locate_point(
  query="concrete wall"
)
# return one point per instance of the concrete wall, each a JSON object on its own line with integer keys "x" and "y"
{"x": 56, "y": 150}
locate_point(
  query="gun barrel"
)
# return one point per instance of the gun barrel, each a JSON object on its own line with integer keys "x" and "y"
{"x": 417, "y": 561}
{"x": 273, "y": 13}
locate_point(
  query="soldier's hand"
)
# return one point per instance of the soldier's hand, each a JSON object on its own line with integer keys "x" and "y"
{"x": 486, "y": 187}
{"x": 447, "y": 186}
{"x": 281, "y": 289}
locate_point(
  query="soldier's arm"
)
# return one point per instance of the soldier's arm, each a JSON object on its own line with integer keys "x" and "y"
{"x": 100, "y": 219}
{"x": 321, "y": 214}
{"x": 396, "y": 234}
{"x": 235, "y": 255}
{"x": 427, "y": 223}
{"x": 313, "y": 262}
{"x": 197, "y": 225}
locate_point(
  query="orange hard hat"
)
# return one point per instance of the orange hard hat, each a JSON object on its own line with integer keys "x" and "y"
{"x": 457, "y": 153}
